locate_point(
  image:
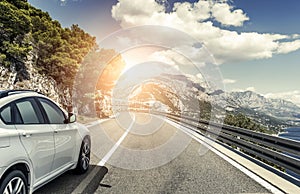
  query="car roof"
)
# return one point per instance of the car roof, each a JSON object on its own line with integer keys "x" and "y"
{"x": 5, "y": 93}
{"x": 7, "y": 96}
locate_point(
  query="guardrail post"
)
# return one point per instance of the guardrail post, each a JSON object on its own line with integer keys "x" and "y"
{"x": 238, "y": 148}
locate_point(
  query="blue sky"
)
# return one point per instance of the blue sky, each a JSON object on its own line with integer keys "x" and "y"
{"x": 274, "y": 75}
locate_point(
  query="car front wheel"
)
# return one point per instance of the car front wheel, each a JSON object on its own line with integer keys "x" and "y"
{"x": 15, "y": 182}
{"x": 84, "y": 156}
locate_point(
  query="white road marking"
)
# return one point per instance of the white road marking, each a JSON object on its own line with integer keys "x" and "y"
{"x": 113, "y": 149}
{"x": 81, "y": 187}
{"x": 209, "y": 144}
{"x": 201, "y": 139}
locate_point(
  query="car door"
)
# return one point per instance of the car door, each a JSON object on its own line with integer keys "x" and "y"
{"x": 36, "y": 136}
{"x": 64, "y": 134}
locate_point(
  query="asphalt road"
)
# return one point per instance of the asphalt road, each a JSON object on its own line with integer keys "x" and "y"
{"x": 151, "y": 157}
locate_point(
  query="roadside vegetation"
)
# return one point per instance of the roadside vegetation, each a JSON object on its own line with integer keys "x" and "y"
{"x": 242, "y": 121}
{"x": 29, "y": 35}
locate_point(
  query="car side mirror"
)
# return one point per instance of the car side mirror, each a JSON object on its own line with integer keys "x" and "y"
{"x": 71, "y": 118}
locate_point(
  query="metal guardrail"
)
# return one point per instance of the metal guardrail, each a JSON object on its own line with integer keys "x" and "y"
{"x": 279, "y": 151}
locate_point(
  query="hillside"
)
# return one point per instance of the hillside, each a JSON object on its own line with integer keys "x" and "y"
{"x": 37, "y": 53}
{"x": 277, "y": 108}
{"x": 273, "y": 113}
{"x": 181, "y": 94}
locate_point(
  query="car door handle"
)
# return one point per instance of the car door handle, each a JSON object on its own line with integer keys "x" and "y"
{"x": 55, "y": 131}
{"x": 24, "y": 134}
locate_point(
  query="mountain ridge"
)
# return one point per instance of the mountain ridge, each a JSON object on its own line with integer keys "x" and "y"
{"x": 278, "y": 108}
{"x": 275, "y": 114}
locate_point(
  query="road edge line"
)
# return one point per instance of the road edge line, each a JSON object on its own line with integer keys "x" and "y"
{"x": 82, "y": 186}
{"x": 208, "y": 143}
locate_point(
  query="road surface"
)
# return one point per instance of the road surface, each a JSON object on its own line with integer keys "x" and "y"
{"x": 120, "y": 165}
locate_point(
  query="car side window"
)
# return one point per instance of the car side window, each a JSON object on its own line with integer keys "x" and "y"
{"x": 54, "y": 113}
{"x": 29, "y": 111}
{"x": 6, "y": 114}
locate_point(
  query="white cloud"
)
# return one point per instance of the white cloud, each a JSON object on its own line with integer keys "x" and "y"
{"x": 132, "y": 12}
{"x": 227, "y": 16}
{"x": 287, "y": 47}
{"x": 174, "y": 56}
{"x": 293, "y": 96}
{"x": 295, "y": 36}
{"x": 198, "y": 11}
{"x": 229, "y": 81}
{"x": 231, "y": 46}
{"x": 196, "y": 19}
{"x": 163, "y": 56}
{"x": 252, "y": 89}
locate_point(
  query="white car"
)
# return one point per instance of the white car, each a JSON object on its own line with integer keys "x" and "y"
{"x": 38, "y": 142}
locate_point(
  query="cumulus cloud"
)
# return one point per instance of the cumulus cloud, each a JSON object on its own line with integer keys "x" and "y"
{"x": 173, "y": 56}
{"x": 287, "y": 47}
{"x": 293, "y": 96}
{"x": 197, "y": 19}
{"x": 198, "y": 11}
{"x": 228, "y": 16}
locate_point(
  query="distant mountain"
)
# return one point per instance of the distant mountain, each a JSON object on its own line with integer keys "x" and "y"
{"x": 188, "y": 94}
{"x": 187, "y": 80}
{"x": 275, "y": 114}
{"x": 277, "y": 108}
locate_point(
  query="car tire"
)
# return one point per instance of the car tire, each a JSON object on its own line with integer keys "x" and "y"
{"x": 14, "y": 182}
{"x": 84, "y": 156}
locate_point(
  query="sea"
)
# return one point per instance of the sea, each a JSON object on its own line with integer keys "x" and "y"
{"x": 291, "y": 133}
{"x": 294, "y": 134}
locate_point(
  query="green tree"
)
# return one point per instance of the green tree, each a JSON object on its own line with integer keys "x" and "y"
{"x": 59, "y": 51}
{"x": 240, "y": 120}
{"x": 15, "y": 25}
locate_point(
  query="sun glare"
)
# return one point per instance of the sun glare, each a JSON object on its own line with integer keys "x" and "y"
{"x": 138, "y": 55}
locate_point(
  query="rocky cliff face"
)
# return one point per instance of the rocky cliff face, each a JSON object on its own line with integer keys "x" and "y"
{"x": 28, "y": 78}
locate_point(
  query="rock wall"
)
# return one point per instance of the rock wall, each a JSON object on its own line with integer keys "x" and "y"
{"x": 11, "y": 78}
